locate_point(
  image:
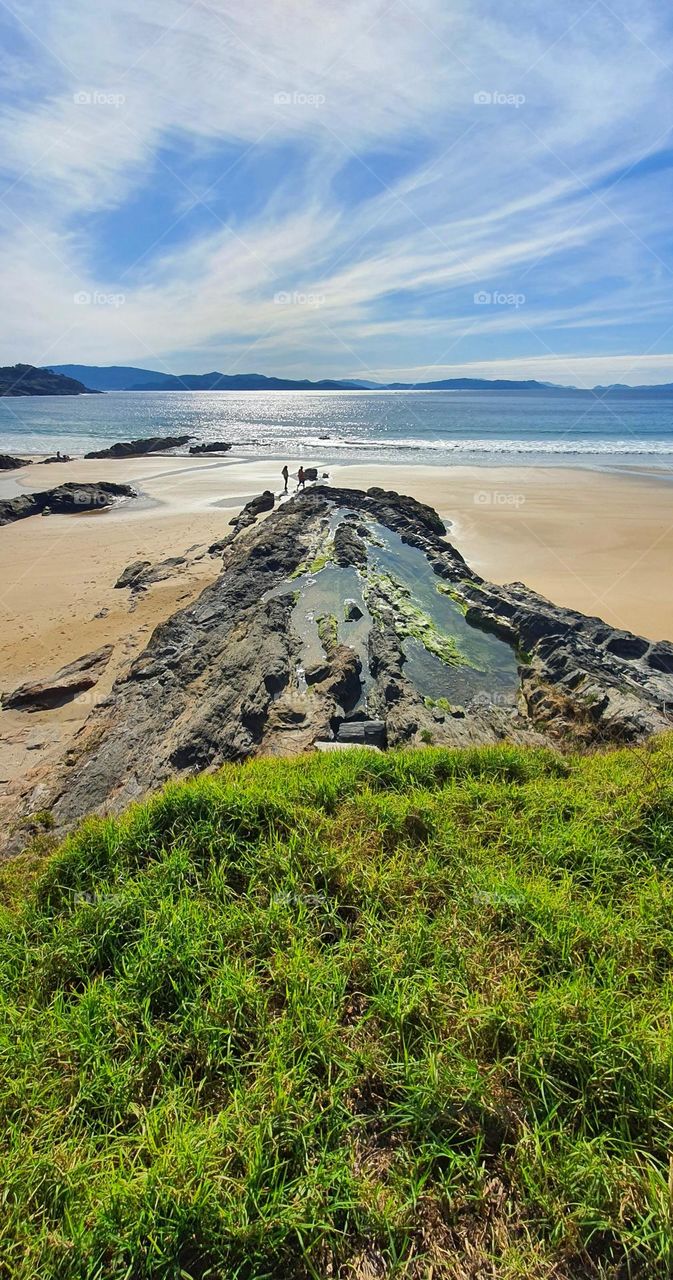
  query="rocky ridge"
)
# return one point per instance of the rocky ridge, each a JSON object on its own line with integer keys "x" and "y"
{"x": 225, "y": 678}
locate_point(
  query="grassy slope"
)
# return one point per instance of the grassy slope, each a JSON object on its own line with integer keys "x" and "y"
{"x": 402, "y": 1015}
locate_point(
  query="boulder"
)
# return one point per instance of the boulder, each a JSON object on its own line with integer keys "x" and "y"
{"x": 66, "y": 684}
{"x": 10, "y": 463}
{"x": 417, "y": 513}
{"x": 131, "y": 575}
{"x": 142, "y": 573}
{"x": 216, "y": 548}
{"x": 215, "y": 446}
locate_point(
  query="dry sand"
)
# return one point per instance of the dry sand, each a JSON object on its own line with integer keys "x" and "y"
{"x": 599, "y": 542}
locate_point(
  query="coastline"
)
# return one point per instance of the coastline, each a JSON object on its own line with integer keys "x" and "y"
{"x": 597, "y": 541}
{"x": 600, "y": 542}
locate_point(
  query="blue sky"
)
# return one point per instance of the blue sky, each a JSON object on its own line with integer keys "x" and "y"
{"x": 406, "y": 189}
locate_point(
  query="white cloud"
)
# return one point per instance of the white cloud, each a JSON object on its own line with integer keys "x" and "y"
{"x": 505, "y": 195}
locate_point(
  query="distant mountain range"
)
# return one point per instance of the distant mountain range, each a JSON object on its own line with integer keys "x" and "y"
{"x": 128, "y": 378}
{"x": 26, "y": 380}
{"x": 120, "y": 378}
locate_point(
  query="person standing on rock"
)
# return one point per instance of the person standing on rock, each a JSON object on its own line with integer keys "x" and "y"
{"x": 286, "y": 476}
{"x": 301, "y": 478}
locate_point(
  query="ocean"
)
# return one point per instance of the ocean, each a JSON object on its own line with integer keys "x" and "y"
{"x": 433, "y": 427}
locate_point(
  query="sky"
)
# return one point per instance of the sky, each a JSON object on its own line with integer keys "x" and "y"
{"x": 401, "y": 190}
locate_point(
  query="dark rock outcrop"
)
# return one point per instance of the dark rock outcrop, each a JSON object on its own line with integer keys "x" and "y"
{"x": 395, "y": 508}
{"x": 216, "y": 446}
{"x": 66, "y": 684}
{"x": 222, "y": 679}
{"x": 66, "y": 499}
{"x": 255, "y": 507}
{"x": 10, "y": 463}
{"x": 203, "y": 690}
{"x": 581, "y": 678}
{"x": 342, "y": 680}
{"x": 138, "y": 448}
{"x": 316, "y": 672}
{"x": 349, "y": 549}
{"x": 133, "y": 573}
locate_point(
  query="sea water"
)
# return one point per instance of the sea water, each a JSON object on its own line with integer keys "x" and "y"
{"x": 436, "y": 427}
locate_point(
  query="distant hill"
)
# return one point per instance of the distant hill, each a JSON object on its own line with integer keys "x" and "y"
{"x": 239, "y": 382}
{"x": 26, "y": 380}
{"x": 480, "y": 384}
{"x": 619, "y": 389}
{"x": 115, "y": 377}
{"x": 128, "y": 378}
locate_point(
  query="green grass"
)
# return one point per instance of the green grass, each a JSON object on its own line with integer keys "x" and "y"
{"x": 355, "y": 1015}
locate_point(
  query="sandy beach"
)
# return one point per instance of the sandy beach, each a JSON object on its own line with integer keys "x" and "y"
{"x": 599, "y": 542}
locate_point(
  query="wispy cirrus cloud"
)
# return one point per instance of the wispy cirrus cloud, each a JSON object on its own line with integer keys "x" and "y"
{"x": 332, "y": 191}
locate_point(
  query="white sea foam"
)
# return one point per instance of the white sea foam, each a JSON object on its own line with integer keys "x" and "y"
{"x": 605, "y": 448}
